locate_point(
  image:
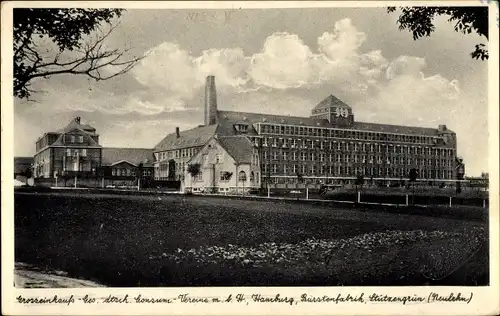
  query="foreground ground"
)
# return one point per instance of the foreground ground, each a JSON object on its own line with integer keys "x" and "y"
{"x": 185, "y": 241}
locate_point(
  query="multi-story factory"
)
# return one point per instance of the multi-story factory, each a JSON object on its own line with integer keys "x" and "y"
{"x": 327, "y": 147}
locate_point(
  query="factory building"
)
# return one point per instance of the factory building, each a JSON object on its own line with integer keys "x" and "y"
{"x": 327, "y": 147}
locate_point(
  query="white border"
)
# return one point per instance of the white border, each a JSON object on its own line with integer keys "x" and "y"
{"x": 485, "y": 301}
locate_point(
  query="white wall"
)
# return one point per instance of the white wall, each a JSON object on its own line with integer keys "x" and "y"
{"x": 207, "y": 157}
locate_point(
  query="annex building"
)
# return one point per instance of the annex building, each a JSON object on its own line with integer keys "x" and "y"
{"x": 329, "y": 146}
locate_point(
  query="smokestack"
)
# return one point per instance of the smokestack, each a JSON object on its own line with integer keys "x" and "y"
{"x": 177, "y": 132}
{"x": 210, "y": 101}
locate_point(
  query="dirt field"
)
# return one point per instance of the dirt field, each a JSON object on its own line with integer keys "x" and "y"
{"x": 192, "y": 240}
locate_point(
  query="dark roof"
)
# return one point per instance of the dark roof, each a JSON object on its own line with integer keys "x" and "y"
{"x": 228, "y": 118}
{"x": 75, "y": 125}
{"x": 231, "y": 117}
{"x": 238, "y": 147}
{"x": 22, "y": 163}
{"x": 195, "y": 137}
{"x": 135, "y": 156}
{"x": 331, "y": 101}
{"x": 59, "y": 141}
{"x": 386, "y": 128}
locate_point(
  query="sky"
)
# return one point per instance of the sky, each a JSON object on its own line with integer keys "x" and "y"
{"x": 276, "y": 61}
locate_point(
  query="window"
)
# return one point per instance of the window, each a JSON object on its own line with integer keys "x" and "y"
{"x": 199, "y": 176}
{"x": 80, "y": 139}
{"x": 252, "y": 177}
{"x": 275, "y": 168}
{"x": 113, "y": 172}
{"x": 285, "y": 155}
{"x": 84, "y": 152}
{"x": 218, "y": 158}
{"x": 72, "y": 138}
{"x": 68, "y": 152}
{"x": 226, "y": 176}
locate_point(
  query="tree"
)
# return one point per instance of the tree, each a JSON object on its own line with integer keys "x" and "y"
{"x": 419, "y": 21}
{"x": 194, "y": 169}
{"x": 75, "y": 52}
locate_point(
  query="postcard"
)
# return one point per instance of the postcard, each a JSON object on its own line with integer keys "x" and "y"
{"x": 224, "y": 158}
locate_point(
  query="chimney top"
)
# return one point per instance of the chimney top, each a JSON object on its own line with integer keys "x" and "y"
{"x": 77, "y": 120}
{"x": 442, "y": 128}
{"x": 177, "y": 132}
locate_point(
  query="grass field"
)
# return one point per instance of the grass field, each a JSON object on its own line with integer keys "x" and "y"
{"x": 190, "y": 241}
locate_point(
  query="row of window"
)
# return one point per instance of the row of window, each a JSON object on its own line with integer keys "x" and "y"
{"x": 226, "y": 176}
{"x": 355, "y": 158}
{"x": 179, "y": 153}
{"x": 82, "y": 152}
{"x": 127, "y": 172}
{"x": 354, "y": 146}
{"x": 352, "y": 171}
{"x": 280, "y": 129}
{"x": 75, "y": 139}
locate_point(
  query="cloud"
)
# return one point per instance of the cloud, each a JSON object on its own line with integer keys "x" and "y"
{"x": 169, "y": 67}
{"x": 284, "y": 62}
{"x": 227, "y": 65}
{"x": 343, "y": 43}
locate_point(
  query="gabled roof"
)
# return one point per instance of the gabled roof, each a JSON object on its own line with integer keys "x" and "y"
{"x": 331, "y": 101}
{"x": 238, "y": 147}
{"x": 135, "y": 156}
{"x": 195, "y": 137}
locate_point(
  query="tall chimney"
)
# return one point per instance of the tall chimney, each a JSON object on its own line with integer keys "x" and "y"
{"x": 210, "y": 101}
{"x": 177, "y": 132}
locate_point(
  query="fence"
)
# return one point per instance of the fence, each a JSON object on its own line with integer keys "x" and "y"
{"x": 382, "y": 197}
{"x": 106, "y": 183}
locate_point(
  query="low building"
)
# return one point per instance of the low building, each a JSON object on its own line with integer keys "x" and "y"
{"x": 225, "y": 164}
{"x": 123, "y": 167}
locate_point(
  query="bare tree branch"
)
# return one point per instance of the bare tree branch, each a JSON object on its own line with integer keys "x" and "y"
{"x": 91, "y": 58}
